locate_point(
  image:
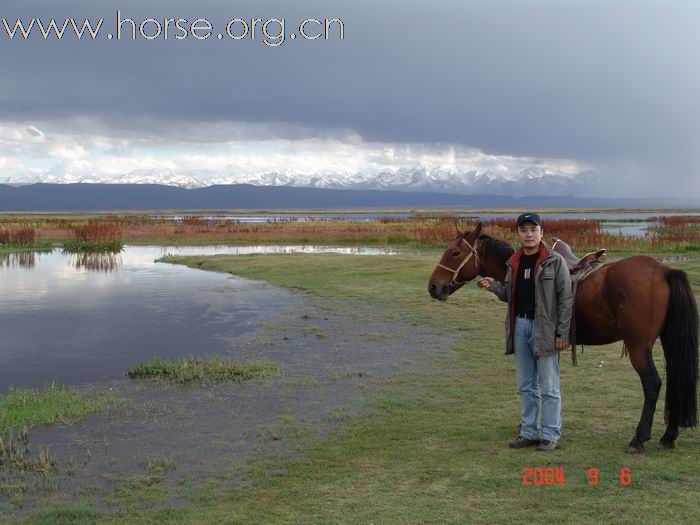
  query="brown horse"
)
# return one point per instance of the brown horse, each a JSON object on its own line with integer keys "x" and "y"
{"x": 636, "y": 300}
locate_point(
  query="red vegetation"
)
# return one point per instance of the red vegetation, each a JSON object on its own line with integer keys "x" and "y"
{"x": 431, "y": 230}
{"x": 17, "y": 237}
{"x": 97, "y": 232}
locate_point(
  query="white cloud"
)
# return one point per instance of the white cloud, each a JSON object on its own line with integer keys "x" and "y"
{"x": 67, "y": 151}
{"x": 89, "y": 149}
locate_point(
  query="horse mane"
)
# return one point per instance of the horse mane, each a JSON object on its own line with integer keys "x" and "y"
{"x": 500, "y": 249}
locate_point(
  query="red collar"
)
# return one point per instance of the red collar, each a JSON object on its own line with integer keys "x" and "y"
{"x": 541, "y": 256}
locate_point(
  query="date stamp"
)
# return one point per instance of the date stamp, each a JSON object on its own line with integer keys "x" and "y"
{"x": 537, "y": 476}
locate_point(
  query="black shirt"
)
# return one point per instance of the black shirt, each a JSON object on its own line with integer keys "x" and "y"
{"x": 525, "y": 286}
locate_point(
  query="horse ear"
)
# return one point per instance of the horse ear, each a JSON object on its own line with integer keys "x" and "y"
{"x": 476, "y": 232}
{"x": 457, "y": 229}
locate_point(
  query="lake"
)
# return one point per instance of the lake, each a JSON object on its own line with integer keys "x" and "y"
{"x": 77, "y": 319}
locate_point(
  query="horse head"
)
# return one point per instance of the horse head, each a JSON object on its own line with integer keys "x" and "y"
{"x": 458, "y": 265}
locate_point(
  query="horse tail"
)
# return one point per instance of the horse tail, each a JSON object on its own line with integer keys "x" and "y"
{"x": 680, "y": 343}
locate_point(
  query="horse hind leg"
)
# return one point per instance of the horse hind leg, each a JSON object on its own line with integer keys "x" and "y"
{"x": 651, "y": 385}
{"x": 668, "y": 440}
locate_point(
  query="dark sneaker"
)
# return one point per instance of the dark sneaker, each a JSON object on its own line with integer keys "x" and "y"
{"x": 547, "y": 446}
{"x": 522, "y": 442}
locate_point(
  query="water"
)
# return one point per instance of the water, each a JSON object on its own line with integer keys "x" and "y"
{"x": 78, "y": 319}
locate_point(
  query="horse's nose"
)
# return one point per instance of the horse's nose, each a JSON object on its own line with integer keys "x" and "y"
{"x": 432, "y": 289}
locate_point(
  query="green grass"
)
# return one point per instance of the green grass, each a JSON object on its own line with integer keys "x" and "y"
{"x": 431, "y": 446}
{"x": 67, "y": 516}
{"x": 22, "y": 407}
{"x": 74, "y": 246}
{"x": 194, "y": 369}
{"x": 398, "y": 280}
{"x": 42, "y": 245}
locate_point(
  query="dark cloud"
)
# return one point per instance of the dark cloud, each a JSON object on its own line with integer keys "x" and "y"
{"x": 611, "y": 84}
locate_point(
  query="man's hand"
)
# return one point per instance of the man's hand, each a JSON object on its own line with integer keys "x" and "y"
{"x": 486, "y": 283}
{"x": 561, "y": 344}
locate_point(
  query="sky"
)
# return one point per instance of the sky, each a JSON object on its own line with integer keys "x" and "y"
{"x": 608, "y": 87}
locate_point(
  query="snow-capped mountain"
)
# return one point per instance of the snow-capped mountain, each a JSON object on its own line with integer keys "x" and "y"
{"x": 533, "y": 180}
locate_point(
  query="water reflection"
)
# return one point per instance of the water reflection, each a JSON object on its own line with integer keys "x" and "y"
{"x": 21, "y": 259}
{"x": 277, "y": 249}
{"x": 87, "y": 317}
{"x": 101, "y": 262}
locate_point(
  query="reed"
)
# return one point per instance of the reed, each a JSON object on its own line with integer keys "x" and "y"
{"x": 95, "y": 236}
{"x": 680, "y": 232}
{"x": 16, "y": 454}
{"x": 424, "y": 229}
{"x": 671, "y": 221}
{"x": 22, "y": 237}
{"x": 97, "y": 231}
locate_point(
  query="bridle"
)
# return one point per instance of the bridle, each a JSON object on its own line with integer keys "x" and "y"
{"x": 455, "y": 272}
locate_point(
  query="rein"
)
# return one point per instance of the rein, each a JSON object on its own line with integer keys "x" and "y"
{"x": 455, "y": 272}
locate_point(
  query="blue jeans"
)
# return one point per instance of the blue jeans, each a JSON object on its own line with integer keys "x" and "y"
{"x": 538, "y": 383}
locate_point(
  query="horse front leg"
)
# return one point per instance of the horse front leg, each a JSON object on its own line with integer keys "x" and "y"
{"x": 651, "y": 385}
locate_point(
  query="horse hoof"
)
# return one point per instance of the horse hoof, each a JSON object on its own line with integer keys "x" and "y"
{"x": 667, "y": 444}
{"x": 634, "y": 449}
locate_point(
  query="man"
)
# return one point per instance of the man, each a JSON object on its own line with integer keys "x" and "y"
{"x": 537, "y": 289}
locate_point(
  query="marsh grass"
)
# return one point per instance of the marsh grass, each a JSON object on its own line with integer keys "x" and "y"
{"x": 16, "y": 454}
{"x": 160, "y": 467}
{"x": 193, "y": 369}
{"x": 40, "y": 245}
{"x": 680, "y": 231}
{"x": 21, "y": 239}
{"x": 137, "y": 492}
{"x": 95, "y": 236}
{"x": 22, "y": 236}
{"x": 74, "y": 246}
{"x": 21, "y": 407}
{"x": 22, "y": 469}
{"x": 93, "y": 232}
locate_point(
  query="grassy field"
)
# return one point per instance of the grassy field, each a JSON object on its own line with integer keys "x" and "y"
{"x": 432, "y": 445}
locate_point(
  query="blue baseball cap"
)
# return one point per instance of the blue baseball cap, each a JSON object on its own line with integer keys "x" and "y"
{"x": 529, "y": 216}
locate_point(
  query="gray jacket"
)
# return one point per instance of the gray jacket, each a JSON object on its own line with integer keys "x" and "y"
{"x": 553, "y": 301}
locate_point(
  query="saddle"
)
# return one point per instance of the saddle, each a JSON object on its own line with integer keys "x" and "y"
{"x": 579, "y": 268}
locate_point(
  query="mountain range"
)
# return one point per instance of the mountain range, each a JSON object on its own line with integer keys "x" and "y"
{"x": 142, "y": 197}
{"x": 534, "y": 180}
